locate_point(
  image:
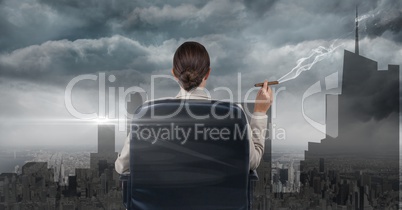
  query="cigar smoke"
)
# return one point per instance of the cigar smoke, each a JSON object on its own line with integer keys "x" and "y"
{"x": 304, "y": 64}
{"x": 370, "y": 14}
{"x": 320, "y": 53}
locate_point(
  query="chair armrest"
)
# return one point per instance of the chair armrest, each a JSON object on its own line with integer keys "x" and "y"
{"x": 124, "y": 177}
{"x": 253, "y": 176}
{"x": 126, "y": 191}
{"x": 252, "y": 179}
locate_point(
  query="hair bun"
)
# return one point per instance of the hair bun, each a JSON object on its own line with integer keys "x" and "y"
{"x": 190, "y": 79}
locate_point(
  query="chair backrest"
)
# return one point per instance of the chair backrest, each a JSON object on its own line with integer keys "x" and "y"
{"x": 195, "y": 158}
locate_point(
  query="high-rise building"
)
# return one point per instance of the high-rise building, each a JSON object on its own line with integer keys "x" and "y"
{"x": 291, "y": 173}
{"x": 106, "y": 138}
{"x": 262, "y": 188}
{"x": 283, "y": 175}
{"x": 322, "y": 166}
{"x": 135, "y": 101}
{"x": 366, "y": 115}
{"x": 106, "y": 147}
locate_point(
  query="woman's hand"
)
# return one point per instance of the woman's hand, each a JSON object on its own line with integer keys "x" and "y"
{"x": 264, "y": 98}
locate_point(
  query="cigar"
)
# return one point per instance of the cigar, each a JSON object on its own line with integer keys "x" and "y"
{"x": 269, "y": 83}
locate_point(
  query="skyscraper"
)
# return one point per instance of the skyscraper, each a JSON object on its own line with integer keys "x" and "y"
{"x": 106, "y": 146}
{"x": 365, "y": 153}
{"x": 322, "y": 165}
{"x": 135, "y": 101}
{"x": 357, "y": 33}
{"x": 368, "y": 136}
{"x": 106, "y": 138}
{"x": 368, "y": 113}
{"x": 262, "y": 187}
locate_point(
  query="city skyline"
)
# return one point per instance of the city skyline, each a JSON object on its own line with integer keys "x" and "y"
{"x": 350, "y": 169}
{"x": 46, "y": 185}
{"x": 341, "y": 147}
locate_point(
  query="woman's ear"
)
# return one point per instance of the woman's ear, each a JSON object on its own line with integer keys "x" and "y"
{"x": 173, "y": 74}
{"x": 207, "y": 75}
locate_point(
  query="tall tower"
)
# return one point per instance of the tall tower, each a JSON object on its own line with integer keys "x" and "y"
{"x": 106, "y": 139}
{"x": 357, "y": 33}
{"x": 135, "y": 101}
{"x": 106, "y": 147}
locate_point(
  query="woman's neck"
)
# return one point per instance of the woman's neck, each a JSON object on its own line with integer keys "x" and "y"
{"x": 203, "y": 84}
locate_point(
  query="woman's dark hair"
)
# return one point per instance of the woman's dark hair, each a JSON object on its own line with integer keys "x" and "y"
{"x": 190, "y": 64}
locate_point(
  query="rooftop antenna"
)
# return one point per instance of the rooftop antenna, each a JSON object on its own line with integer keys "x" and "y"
{"x": 357, "y": 34}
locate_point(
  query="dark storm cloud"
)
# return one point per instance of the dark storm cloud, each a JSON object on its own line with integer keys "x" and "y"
{"x": 96, "y": 17}
{"x": 260, "y": 7}
{"x": 154, "y": 24}
{"x": 28, "y": 22}
{"x": 56, "y": 62}
{"x": 143, "y": 19}
{"x": 47, "y": 42}
{"x": 290, "y": 23}
{"x": 66, "y": 58}
{"x": 237, "y": 29}
{"x": 156, "y": 21}
{"x": 374, "y": 97}
{"x": 389, "y": 22}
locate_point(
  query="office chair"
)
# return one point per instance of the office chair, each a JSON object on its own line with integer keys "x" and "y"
{"x": 188, "y": 154}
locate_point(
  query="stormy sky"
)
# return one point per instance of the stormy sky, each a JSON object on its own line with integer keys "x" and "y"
{"x": 44, "y": 44}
